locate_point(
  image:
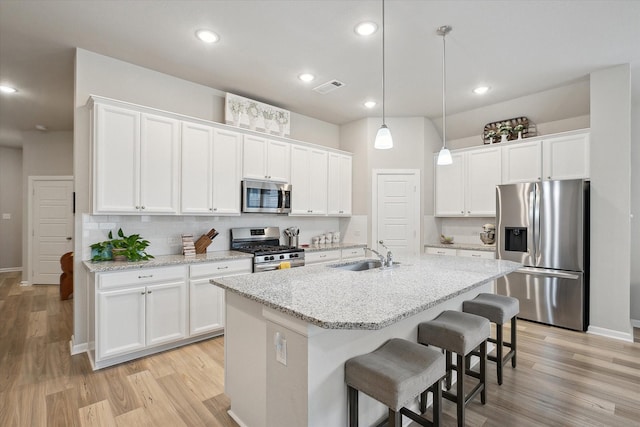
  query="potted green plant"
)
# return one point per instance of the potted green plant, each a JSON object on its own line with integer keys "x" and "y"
{"x": 504, "y": 130}
{"x": 490, "y": 135}
{"x": 518, "y": 129}
{"x": 124, "y": 248}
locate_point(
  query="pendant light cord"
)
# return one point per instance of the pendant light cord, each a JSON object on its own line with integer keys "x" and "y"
{"x": 383, "y": 88}
{"x": 444, "y": 87}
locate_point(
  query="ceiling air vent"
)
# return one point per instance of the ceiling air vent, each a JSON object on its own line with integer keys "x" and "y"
{"x": 329, "y": 86}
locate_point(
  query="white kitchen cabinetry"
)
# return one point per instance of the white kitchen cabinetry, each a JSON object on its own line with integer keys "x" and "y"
{"x": 566, "y": 157}
{"x": 522, "y": 162}
{"x": 211, "y": 166}
{"x": 461, "y": 252}
{"x": 467, "y": 186}
{"x": 135, "y": 161}
{"x": 339, "y": 184}
{"x": 265, "y": 159}
{"x": 352, "y": 253}
{"x": 551, "y": 158}
{"x": 322, "y": 257}
{"x": 309, "y": 181}
{"x": 206, "y": 301}
{"x": 139, "y": 309}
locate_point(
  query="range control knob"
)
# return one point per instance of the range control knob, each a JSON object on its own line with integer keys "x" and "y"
{"x": 281, "y": 256}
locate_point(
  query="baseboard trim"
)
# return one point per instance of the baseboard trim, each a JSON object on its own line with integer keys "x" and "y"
{"x": 25, "y": 283}
{"x": 610, "y": 333}
{"x": 77, "y": 348}
{"x": 10, "y": 269}
{"x": 236, "y": 418}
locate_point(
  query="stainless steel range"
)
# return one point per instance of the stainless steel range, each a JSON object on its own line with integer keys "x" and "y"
{"x": 264, "y": 244}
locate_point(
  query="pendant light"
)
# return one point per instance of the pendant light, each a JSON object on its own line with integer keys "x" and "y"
{"x": 444, "y": 157}
{"x": 383, "y": 139}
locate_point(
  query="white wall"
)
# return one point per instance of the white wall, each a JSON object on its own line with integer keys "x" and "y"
{"x": 635, "y": 195}
{"x": 11, "y": 194}
{"x": 43, "y": 154}
{"x": 111, "y": 78}
{"x": 610, "y": 201}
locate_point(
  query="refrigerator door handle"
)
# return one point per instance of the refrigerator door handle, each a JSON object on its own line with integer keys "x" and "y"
{"x": 536, "y": 223}
{"x": 547, "y": 272}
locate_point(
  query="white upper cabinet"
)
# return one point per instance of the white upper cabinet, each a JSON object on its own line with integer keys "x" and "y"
{"x": 339, "y": 188}
{"x": 227, "y": 172}
{"x": 522, "y": 162}
{"x": 159, "y": 164}
{"x": 309, "y": 181}
{"x": 554, "y": 157}
{"x": 467, "y": 187}
{"x": 116, "y": 164}
{"x": 483, "y": 169}
{"x": 211, "y": 163}
{"x": 197, "y": 169}
{"x": 566, "y": 157}
{"x": 449, "y": 192}
{"x": 135, "y": 160}
{"x": 265, "y": 159}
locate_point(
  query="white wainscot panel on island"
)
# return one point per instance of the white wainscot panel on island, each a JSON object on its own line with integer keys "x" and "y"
{"x": 289, "y": 332}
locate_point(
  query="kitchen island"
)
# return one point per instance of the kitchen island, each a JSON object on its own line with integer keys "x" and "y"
{"x": 289, "y": 332}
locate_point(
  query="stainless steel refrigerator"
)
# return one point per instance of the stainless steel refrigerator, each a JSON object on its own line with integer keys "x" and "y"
{"x": 545, "y": 226}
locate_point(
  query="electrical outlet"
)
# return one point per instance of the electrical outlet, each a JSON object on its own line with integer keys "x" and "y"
{"x": 281, "y": 352}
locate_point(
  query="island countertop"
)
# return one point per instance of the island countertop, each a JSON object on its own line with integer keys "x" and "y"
{"x": 334, "y": 298}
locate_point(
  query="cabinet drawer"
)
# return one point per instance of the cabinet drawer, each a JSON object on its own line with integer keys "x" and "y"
{"x": 221, "y": 268}
{"x": 476, "y": 254}
{"x": 140, "y": 277}
{"x": 321, "y": 256}
{"x": 352, "y": 253}
{"x": 441, "y": 251}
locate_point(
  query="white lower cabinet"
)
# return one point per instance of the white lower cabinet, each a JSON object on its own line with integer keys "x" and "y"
{"x": 147, "y": 307}
{"x": 139, "y": 312}
{"x": 206, "y": 301}
{"x": 461, "y": 252}
{"x": 352, "y": 253}
{"x": 321, "y": 257}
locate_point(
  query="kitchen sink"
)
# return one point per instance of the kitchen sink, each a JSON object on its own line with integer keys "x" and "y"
{"x": 368, "y": 264}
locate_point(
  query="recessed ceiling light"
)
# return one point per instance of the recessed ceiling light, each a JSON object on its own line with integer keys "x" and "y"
{"x": 8, "y": 89}
{"x": 481, "y": 90}
{"x": 207, "y": 36}
{"x": 366, "y": 28}
{"x": 306, "y": 77}
{"x": 370, "y": 104}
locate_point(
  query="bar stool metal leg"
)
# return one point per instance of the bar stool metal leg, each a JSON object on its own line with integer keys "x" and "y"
{"x": 513, "y": 341}
{"x": 352, "y": 395}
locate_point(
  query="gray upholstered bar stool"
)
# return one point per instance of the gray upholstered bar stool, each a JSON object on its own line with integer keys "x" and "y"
{"x": 499, "y": 309}
{"x": 460, "y": 333}
{"x": 395, "y": 374}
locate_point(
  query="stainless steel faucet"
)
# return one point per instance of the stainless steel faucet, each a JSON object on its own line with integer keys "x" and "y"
{"x": 386, "y": 262}
{"x": 389, "y": 261}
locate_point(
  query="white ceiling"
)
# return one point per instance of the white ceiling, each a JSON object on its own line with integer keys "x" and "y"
{"x": 516, "y": 47}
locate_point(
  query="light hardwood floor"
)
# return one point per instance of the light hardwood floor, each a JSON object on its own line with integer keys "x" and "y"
{"x": 563, "y": 378}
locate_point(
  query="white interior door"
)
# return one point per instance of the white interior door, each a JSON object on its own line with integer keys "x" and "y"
{"x": 397, "y": 212}
{"x": 52, "y": 228}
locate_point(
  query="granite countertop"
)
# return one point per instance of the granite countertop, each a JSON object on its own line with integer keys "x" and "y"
{"x": 466, "y": 246}
{"x": 331, "y": 246}
{"x": 333, "y": 298}
{"x": 164, "y": 260}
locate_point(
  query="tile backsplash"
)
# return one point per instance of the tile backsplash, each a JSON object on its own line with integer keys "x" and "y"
{"x": 164, "y": 232}
{"x": 465, "y": 230}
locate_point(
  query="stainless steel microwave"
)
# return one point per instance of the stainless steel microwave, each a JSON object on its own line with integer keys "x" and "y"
{"x": 266, "y": 197}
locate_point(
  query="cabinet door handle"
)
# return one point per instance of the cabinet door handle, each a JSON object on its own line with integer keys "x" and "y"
{"x": 476, "y": 256}
{"x": 223, "y": 268}
{"x": 69, "y": 238}
{"x": 148, "y": 276}
{"x": 210, "y": 209}
{"x": 137, "y": 207}
{"x": 143, "y": 207}
{"x": 142, "y": 293}
{"x": 149, "y": 292}
{"x": 461, "y": 212}
{"x": 548, "y": 177}
{"x": 323, "y": 256}
{"x": 215, "y": 209}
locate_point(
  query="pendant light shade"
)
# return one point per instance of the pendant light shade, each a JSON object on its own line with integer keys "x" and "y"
{"x": 383, "y": 139}
{"x": 444, "y": 157}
